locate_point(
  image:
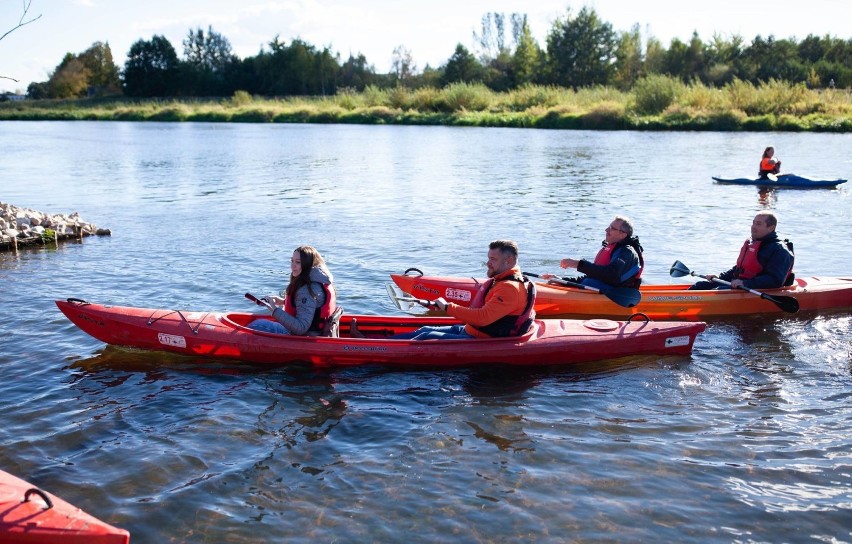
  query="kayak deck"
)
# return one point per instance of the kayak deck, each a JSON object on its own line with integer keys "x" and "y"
{"x": 658, "y": 302}
{"x": 783, "y": 180}
{"x": 30, "y": 515}
{"x": 225, "y": 336}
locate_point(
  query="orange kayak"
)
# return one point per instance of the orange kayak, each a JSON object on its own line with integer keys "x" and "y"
{"x": 28, "y": 514}
{"x": 659, "y": 302}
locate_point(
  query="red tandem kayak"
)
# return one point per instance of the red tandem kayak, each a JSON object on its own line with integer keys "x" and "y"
{"x": 28, "y": 514}
{"x": 663, "y": 302}
{"x": 225, "y": 336}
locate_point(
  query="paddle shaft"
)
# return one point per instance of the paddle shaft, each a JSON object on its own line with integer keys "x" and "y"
{"x": 565, "y": 282}
{"x": 776, "y": 300}
{"x": 258, "y": 301}
{"x": 627, "y": 297}
{"x": 421, "y": 301}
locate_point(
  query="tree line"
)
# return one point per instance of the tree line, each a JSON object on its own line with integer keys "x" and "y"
{"x": 581, "y": 50}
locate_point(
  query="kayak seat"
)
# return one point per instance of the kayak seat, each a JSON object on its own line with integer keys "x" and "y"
{"x": 331, "y": 329}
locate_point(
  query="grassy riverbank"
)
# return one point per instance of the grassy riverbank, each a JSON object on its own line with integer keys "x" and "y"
{"x": 656, "y": 103}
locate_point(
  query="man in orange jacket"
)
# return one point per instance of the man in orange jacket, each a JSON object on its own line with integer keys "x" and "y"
{"x": 502, "y": 307}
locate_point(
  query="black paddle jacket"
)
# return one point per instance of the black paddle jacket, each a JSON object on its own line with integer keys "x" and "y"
{"x": 777, "y": 263}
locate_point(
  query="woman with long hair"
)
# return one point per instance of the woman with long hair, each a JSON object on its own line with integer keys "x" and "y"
{"x": 309, "y": 298}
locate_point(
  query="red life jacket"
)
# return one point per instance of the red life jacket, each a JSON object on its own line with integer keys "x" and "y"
{"x": 322, "y": 313}
{"x": 510, "y": 325}
{"x": 747, "y": 264}
{"x": 604, "y": 257}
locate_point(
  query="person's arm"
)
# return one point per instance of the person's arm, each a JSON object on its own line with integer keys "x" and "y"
{"x": 727, "y": 275}
{"x": 775, "y": 269}
{"x": 502, "y": 300}
{"x": 611, "y": 273}
{"x": 306, "y": 307}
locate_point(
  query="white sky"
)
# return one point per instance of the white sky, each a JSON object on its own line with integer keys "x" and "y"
{"x": 429, "y": 29}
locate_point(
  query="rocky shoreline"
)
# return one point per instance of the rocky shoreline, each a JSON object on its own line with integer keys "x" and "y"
{"x": 24, "y": 226}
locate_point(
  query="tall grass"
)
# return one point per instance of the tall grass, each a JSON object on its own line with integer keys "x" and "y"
{"x": 655, "y": 103}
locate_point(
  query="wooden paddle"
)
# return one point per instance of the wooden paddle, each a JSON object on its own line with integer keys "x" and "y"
{"x": 787, "y": 304}
{"x": 623, "y": 296}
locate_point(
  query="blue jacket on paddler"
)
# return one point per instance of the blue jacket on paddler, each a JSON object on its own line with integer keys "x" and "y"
{"x": 615, "y": 265}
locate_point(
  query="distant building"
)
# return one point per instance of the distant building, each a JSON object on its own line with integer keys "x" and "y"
{"x": 12, "y": 96}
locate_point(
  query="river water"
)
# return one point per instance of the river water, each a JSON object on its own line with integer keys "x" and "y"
{"x": 747, "y": 440}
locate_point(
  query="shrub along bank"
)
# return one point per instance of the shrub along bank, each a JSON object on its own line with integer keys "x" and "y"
{"x": 654, "y": 103}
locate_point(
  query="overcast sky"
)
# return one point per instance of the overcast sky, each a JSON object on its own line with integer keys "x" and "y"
{"x": 429, "y": 29}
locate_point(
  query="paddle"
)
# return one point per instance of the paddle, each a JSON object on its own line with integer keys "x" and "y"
{"x": 258, "y": 301}
{"x": 623, "y": 296}
{"x": 787, "y": 304}
{"x": 400, "y": 298}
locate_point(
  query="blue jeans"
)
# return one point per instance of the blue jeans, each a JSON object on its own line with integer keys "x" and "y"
{"x": 266, "y": 325}
{"x": 449, "y": 332}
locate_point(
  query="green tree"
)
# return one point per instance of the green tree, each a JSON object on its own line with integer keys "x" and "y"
{"x": 462, "y": 67}
{"x": 628, "y": 58}
{"x": 104, "y": 77}
{"x": 676, "y": 60}
{"x": 151, "y": 68}
{"x": 207, "y": 62}
{"x": 528, "y": 58}
{"x": 70, "y": 79}
{"x": 581, "y": 50}
{"x": 356, "y": 73}
{"x": 295, "y": 69}
{"x": 769, "y": 59}
{"x": 723, "y": 59}
{"x": 655, "y": 57}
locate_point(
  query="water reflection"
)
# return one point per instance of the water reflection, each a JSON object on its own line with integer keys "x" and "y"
{"x": 766, "y": 197}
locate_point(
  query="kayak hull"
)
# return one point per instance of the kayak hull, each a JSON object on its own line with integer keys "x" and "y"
{"x": 659, "y": 302}
{"x": 34, "y": 521}
{"x": 784, "y": 180}
{"x": 224, "y": 336}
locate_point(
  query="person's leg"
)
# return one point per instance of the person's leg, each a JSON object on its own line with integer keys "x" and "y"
{"x": 707, "y": 286}
{"x": 452, "y": 332}
{"x": 267, "y": 325}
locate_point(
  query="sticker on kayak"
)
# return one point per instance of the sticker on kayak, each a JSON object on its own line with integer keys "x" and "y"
{"x": 457, "y": 294}
{"x": 171, "y": 340}
{"x": 676, "y": 341}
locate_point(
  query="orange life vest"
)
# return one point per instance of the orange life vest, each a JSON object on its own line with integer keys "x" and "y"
{"x": 510, "y": 325}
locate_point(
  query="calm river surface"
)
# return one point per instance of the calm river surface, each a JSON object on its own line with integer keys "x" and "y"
{"x": 747, "y": 440}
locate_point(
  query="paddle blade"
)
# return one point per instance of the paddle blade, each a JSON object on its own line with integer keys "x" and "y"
{"x": 623, "y": 296}
{"x": 679, "y": 270}
{"x": 787, "y": 304}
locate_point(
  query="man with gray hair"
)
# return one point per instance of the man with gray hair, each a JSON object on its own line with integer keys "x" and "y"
{"x": 619, "y": 263}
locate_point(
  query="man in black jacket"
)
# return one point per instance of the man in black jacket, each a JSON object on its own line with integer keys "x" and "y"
{"x": 765, "y": 262}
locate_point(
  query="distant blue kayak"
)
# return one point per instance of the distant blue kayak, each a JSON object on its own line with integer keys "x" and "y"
{"x": 784, "y": 180}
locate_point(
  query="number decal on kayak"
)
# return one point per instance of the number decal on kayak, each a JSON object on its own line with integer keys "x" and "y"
{"x": 171, "y": 340}
{"x": 676, "y": 341}
{"x": 457, "y": 294}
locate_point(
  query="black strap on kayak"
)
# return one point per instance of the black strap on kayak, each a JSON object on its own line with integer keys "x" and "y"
{"x": 40, "y": 493}
{"x": 152, "y": 319}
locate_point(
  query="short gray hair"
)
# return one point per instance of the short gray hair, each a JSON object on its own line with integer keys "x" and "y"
{"x": 626, "y": 224}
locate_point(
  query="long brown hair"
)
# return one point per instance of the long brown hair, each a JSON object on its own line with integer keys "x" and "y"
{"x": 310, "y": 258}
